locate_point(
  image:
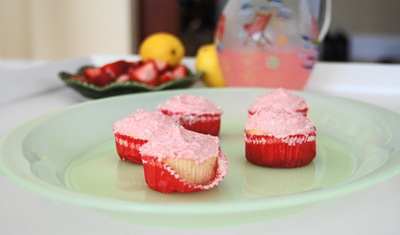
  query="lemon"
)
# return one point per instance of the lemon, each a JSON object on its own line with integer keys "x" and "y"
{"x": 164, "y": 47}
{"x": 207, "y": 62}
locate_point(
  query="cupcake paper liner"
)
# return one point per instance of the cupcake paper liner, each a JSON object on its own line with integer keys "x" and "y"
{"x": 205, "y": 124}
{"x": 290, "y": 152}
{"x": 160, "y": 177}
{"x": 128, "y": 148}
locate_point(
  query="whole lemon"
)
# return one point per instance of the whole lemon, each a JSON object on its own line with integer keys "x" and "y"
{"x": 207, "y": 62}
{"x": 164, "y": 47}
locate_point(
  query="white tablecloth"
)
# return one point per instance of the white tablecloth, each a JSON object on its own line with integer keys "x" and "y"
{"x": 28, "y": 93}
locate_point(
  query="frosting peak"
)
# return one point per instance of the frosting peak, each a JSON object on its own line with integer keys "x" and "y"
{"x": 177, "y": 142}
{"x": 279, "y": 97}
{"x": 190, "y": 104}
{"x": 143, "y": 124}
{"x": 279, "y": 122}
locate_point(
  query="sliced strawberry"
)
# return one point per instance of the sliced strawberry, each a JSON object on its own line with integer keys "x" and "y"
{"x": 115, "y": 69}
{"x": 161, "y": 65}
{"x": 97, "y": 77}
{"x": 92, "y": 73}
{"x": 102, "y": 80}
{"x": 146, "y": 73}
{"x": 165, "y": 77}
{"x": 123, "y": 78}
{"x": 135, "y": 64}
{"x": 179, "y": 71}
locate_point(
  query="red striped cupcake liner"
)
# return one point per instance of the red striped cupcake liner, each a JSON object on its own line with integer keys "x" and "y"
{"x": 290, "y": 152}
{"x": 205, "y": 124}
{"x": 128, "y": 148}
{"x": 160, "y": 177}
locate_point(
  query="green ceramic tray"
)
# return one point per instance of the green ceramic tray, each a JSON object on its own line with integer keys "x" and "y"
{"x": 122, "y": 88}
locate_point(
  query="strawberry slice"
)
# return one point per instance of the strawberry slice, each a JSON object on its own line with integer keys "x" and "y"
{"x": 166, "y": 77}
{"x": 179, "y": 71}
{"x": 115, "y": 69}
{"x": 92, "y": 73}
{"x": 123, "y": 78}
{"x": 161, "y": 65}
{"x": 146, "y": 73}
{"x": 97, "y": 77}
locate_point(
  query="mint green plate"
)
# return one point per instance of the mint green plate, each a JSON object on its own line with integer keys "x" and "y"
{"x": 69, "y": 155}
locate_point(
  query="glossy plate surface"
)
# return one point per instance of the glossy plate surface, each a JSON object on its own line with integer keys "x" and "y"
{"x": 69, "y": 155}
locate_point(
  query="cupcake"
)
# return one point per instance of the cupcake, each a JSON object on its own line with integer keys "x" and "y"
{"x": 280, "y": 97}
{"x": 132, "y": 132}
{"x": 279, "y": 138}
{"x": 195, "y": 113}
{"x": 179, "y": 160}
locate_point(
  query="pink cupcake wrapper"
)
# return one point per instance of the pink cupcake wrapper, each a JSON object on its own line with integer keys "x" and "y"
{"x": 160, "y": 177}
{"x": 290, "y": 152}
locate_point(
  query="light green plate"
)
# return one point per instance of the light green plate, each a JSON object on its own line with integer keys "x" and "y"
{"x": 69, "y": 155}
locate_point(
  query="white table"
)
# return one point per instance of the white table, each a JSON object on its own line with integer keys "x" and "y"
{"x": 28, "y": 93}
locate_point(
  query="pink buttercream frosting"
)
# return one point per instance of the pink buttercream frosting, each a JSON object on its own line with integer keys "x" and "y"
{"x": 143, "y": 124}
{"x": 189, "y": 104}
{"x": 177, "y": 142}
{"x": 279, "y": 122}
{"x": 279, "y": 97}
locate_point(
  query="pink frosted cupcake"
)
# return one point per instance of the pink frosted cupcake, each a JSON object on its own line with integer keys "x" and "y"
{"x": 132, "y": 132}
{"x": 279, "y": 138}
{"x": 179, "y": 160}
{"x": 280, "y": 97}
{"x": 195, "y": 113}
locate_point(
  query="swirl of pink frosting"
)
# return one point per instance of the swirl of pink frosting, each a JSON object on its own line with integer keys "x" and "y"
{"x": 143, "y": 124}
{"x": 189, "y": 104}
{"x": 279, "y": 122}
{"x": 279, "y": 97}
{"x": 177, "y": 142}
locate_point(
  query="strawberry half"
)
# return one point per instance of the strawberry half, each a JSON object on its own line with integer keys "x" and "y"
{"x": 92, "y": 73}
{"x": 166, "y": 77}
{"x": 97, "y": 76}
{"x": 179, "y": 71}
{"x": 115, "y": 69}
{"x": 146, "y": 73}
{"x": 161, "y": 65}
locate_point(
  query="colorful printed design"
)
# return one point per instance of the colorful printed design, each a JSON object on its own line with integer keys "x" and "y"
{"x": 309, "y": 54}
{"x": 255, "y": 30}
{"x": 311, "y": 44}
{"x": 219, "y": 33}
{"x": 263, "y": 14}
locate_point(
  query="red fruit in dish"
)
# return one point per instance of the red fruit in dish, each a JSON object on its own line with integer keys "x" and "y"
{"x": 116, "y": 69}
{"x": 123, "y": 78}
{"x": 92, "y": 73}
{"x": 179, "y": 71}
{"x": 166, "y": 77}
{"x": 161, "y": 65}
{"x": 146, "y": 73}
{"x": 97, "y": 76}
{"x": 102, "y": 80}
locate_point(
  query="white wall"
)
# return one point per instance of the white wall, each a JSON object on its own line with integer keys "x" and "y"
{"x": 58, "y": 29}
{"x": 372, "y": 25}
